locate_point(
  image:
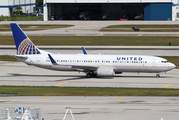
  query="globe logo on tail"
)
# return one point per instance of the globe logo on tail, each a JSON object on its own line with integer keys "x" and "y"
{"x": 26, "y": 47}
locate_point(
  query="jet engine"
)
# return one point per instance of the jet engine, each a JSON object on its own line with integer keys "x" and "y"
{"x": 105, "y": 72}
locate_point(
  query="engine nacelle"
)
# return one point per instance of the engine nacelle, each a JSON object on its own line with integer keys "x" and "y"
{"x": 105, "y": 72}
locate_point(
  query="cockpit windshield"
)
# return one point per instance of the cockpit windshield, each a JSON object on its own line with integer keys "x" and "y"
{"x": 165, "y": 61}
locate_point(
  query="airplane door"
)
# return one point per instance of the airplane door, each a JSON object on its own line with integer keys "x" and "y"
{"x": 37, "y": 60}
{"x": 154, "y": 62}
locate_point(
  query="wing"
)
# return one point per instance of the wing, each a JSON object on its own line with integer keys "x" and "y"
{"x": 83, "y": 68}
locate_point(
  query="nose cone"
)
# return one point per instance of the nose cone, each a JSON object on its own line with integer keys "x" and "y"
{"x": 172, "y": 66}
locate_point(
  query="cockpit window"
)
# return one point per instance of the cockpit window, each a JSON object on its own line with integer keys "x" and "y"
{"x": 165, "y": 61}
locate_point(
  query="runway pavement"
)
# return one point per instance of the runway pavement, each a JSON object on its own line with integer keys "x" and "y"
{"x": 93, "y": 108}
{"x": 91, "y": 28}
{"x": 118, "y": 50}
{"x": 99, "y": 108}
{"x": 85, "y": 107}
{"x": 16, "y": 73}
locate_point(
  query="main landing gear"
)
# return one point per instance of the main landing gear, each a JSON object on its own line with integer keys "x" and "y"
{"x": 157, "y": 75}
{"x": 90, "y": 74}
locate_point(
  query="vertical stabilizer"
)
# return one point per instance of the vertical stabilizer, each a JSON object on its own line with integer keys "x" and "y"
{"x": 24, "y": 45}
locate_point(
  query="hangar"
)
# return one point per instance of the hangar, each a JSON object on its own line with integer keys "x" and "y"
{"x": 111, "y": 10}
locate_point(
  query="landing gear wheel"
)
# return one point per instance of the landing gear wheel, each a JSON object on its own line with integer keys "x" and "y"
{"x": 91, "y": 74}
{"x": 88, "y": 75}
{"x": 158, "y": 75}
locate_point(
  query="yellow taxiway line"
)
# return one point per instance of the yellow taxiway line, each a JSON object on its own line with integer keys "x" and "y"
{"x": 44, "y": 97}
{"x": 60, "y": 83}
{"x": 120, "y": 97}
{"x": 3, "y": 34}
{"x": 98, "y": 35}
{"x": 139, "y": 35}
{"x": 40, "y": 34}
{"x": 167, "y": 85}
{"x": 76, "y": 35}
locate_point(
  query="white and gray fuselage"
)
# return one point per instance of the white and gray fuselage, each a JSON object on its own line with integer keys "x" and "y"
{"x": 86, "y": 63}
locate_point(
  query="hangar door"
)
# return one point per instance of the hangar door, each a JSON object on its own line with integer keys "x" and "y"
{"x": 158, "y": 11}
{"x": 94, "y": 11}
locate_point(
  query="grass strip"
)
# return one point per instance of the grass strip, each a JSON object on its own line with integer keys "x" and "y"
{"x": 112, "y": 30}
{"x": 143, "y": 26}
{"x": 97, "y": 40}
{"x": 86, "y": 91}
{"x": 33, "y": 27}
{"x": 7, "y": 58}
{"x": 119, "y": 28}
{"x": 36, "y": 26}
{"x": 21, "y": 18}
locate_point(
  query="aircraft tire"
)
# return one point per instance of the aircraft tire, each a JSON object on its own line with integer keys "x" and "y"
{"x": 88, "y": 75}
{"x": 158, "y": 75}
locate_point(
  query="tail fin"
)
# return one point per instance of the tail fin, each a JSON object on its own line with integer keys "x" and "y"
{"x": 24, "y": 45}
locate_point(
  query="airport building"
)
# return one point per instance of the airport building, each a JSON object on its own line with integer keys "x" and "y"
{"x": 150, "y": 10}
{"x": 7, "y": 6}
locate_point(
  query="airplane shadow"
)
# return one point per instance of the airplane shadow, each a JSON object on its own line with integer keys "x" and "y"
{"x": 72, "y": 77}
{"x": 30, "y": 75}
{"x": 143, "y": 76}
{"x": 78, "y": 77}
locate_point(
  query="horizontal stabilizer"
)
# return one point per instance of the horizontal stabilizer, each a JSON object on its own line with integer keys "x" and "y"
{"x": 21, "y": 57}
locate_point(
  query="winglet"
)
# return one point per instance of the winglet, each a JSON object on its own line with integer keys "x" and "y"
{"x": 52, "y": 60}
{"x": 84, "y": 51}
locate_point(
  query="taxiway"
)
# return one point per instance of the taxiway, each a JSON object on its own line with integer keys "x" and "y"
{"x": 99, "y": 108}
{"x": 115, "y": 50}
{"x": 91, "y": 28}
{"x": 19, "y": 74}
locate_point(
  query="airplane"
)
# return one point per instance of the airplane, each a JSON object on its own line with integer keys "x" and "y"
{"x": 91, "y": 64}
